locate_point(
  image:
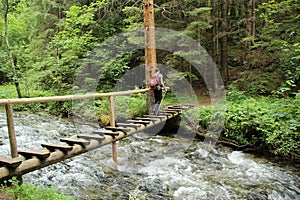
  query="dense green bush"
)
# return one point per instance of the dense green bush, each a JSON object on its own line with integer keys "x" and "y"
{"x": 266, "y": 122}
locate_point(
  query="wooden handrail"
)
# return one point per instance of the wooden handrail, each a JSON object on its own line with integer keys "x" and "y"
{"x": 68, "y": 97}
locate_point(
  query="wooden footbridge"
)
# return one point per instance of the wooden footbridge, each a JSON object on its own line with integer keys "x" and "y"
{"x": 24, "y": 161}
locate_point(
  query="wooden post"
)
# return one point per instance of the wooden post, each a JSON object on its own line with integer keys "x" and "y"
{"x": 12, "y": 135}
{"x": 112, "y": 120}
{"x": 11, "y": 131}
{"x": 150, "y": 48}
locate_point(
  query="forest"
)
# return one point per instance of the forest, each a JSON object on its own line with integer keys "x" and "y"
{"x": 254, "y": 43}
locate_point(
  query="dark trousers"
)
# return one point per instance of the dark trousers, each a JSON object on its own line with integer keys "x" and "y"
{"x": 157, "y": 100}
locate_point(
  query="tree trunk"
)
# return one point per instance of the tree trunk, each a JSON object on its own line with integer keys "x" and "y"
{"x": 214, "y": 17}
{"x": 253, "y": 21}
{"x": 249, "y": 12}
{"x": 11, "y": 58}
{"x": 214, "y": 30}
{"x": 224, "y": 43}
{"x": 150, "y": 48}
{"x": 58, "y": 53}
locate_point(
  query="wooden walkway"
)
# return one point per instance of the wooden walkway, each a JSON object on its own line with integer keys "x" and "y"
{"x": 30, "y": 160}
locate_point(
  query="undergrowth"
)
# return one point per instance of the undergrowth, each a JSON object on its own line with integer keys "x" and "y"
{"x": 30, "y": 192}
{"x": 265, "y": 122}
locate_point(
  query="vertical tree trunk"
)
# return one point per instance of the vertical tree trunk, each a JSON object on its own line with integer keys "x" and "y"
{"x": 224, "y": 43}
{"x": 150, "y": 48}
{"x": 214, "y": 23}
{"x": 11, "y": 58}
{"x": 58, "y": 53}
{"x": 253, "y": 21}
{"x": 214, "y": 30}
{"x": 249, "y": 10}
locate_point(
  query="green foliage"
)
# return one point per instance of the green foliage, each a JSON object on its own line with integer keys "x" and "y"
{"x": 259, "y": 83}
{"x": 22, "y": 30}
{"x": 233, "y": 94}
{"x": 113, "y": 71}
{"x": 270, "y": 123}
{"x": 62, "y": 108}
{"x": 280, "y": 38}
{"x": 292, "y": 72}
{"x": 68, "y": 47}
{"x": 28, "y": 192}
{"x": 137, "y": 105}
{"x": 102, "y": 106}
{"x": 170, "y": 98}
{"x": 134, "y": 16}
{"x": 126, "y": 107}
{"x": 8, "y": 91}
{"x": 32, "y": 107}
{"x": 200, "y": 23}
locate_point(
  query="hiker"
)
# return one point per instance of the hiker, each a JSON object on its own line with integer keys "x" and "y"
{"x": 158, "y": 91}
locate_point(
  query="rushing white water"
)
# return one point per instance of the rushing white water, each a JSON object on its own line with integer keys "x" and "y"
{"x": 152, "y": 166}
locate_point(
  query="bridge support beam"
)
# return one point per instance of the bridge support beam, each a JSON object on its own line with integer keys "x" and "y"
{"x": 12, "y": 134}
{"x": 112, "y": 119}
{"x": 11, "y": 131}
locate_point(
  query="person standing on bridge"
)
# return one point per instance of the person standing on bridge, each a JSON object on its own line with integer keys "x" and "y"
{"x": 158, "y": 91}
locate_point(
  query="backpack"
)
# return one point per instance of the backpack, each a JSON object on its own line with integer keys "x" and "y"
{"x": 153, "y": 82}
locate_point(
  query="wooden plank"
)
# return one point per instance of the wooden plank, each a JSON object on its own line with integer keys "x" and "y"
{"x": 102, "y": 132}
{"x": 165, "y": 112}
{"x": 155, "y": 116}
{"x": 117, "y": 128}
{"x": 91, "y": 137}
{"x": 112, "y": 134}
{"x": 53, "y": 147}
{"x": 72, "y": 142}
{"x": 175, "y": 107}
{"x": 139, "y": 121}
{"x": 174, "y": 110}
{"x": 106, "y": 132}
{"x": 10, "y": 162}
{"x": 129, "y": 125}
{"x": 41, "y": 154}
{"x": 144, "y": 118}
{"x": 168, "y": 111}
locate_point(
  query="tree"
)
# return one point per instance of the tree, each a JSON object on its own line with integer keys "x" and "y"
{"x": 224, "y": 45}
{"x": 12, "y": 60}
{"x": 279, "y": 36}
{"x": 150, "y": 49}
{"x": 250, "y": 27}
{"x": 214, "y": 29}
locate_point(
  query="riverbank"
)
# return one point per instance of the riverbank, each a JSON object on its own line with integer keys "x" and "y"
{"x": 29, "y": 191}
{"x": 261, "y": 125}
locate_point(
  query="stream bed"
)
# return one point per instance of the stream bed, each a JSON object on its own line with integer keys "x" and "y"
{"x": 151, "y": 167}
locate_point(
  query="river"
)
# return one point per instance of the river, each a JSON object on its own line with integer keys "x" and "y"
{"x": 152, "y": 167}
